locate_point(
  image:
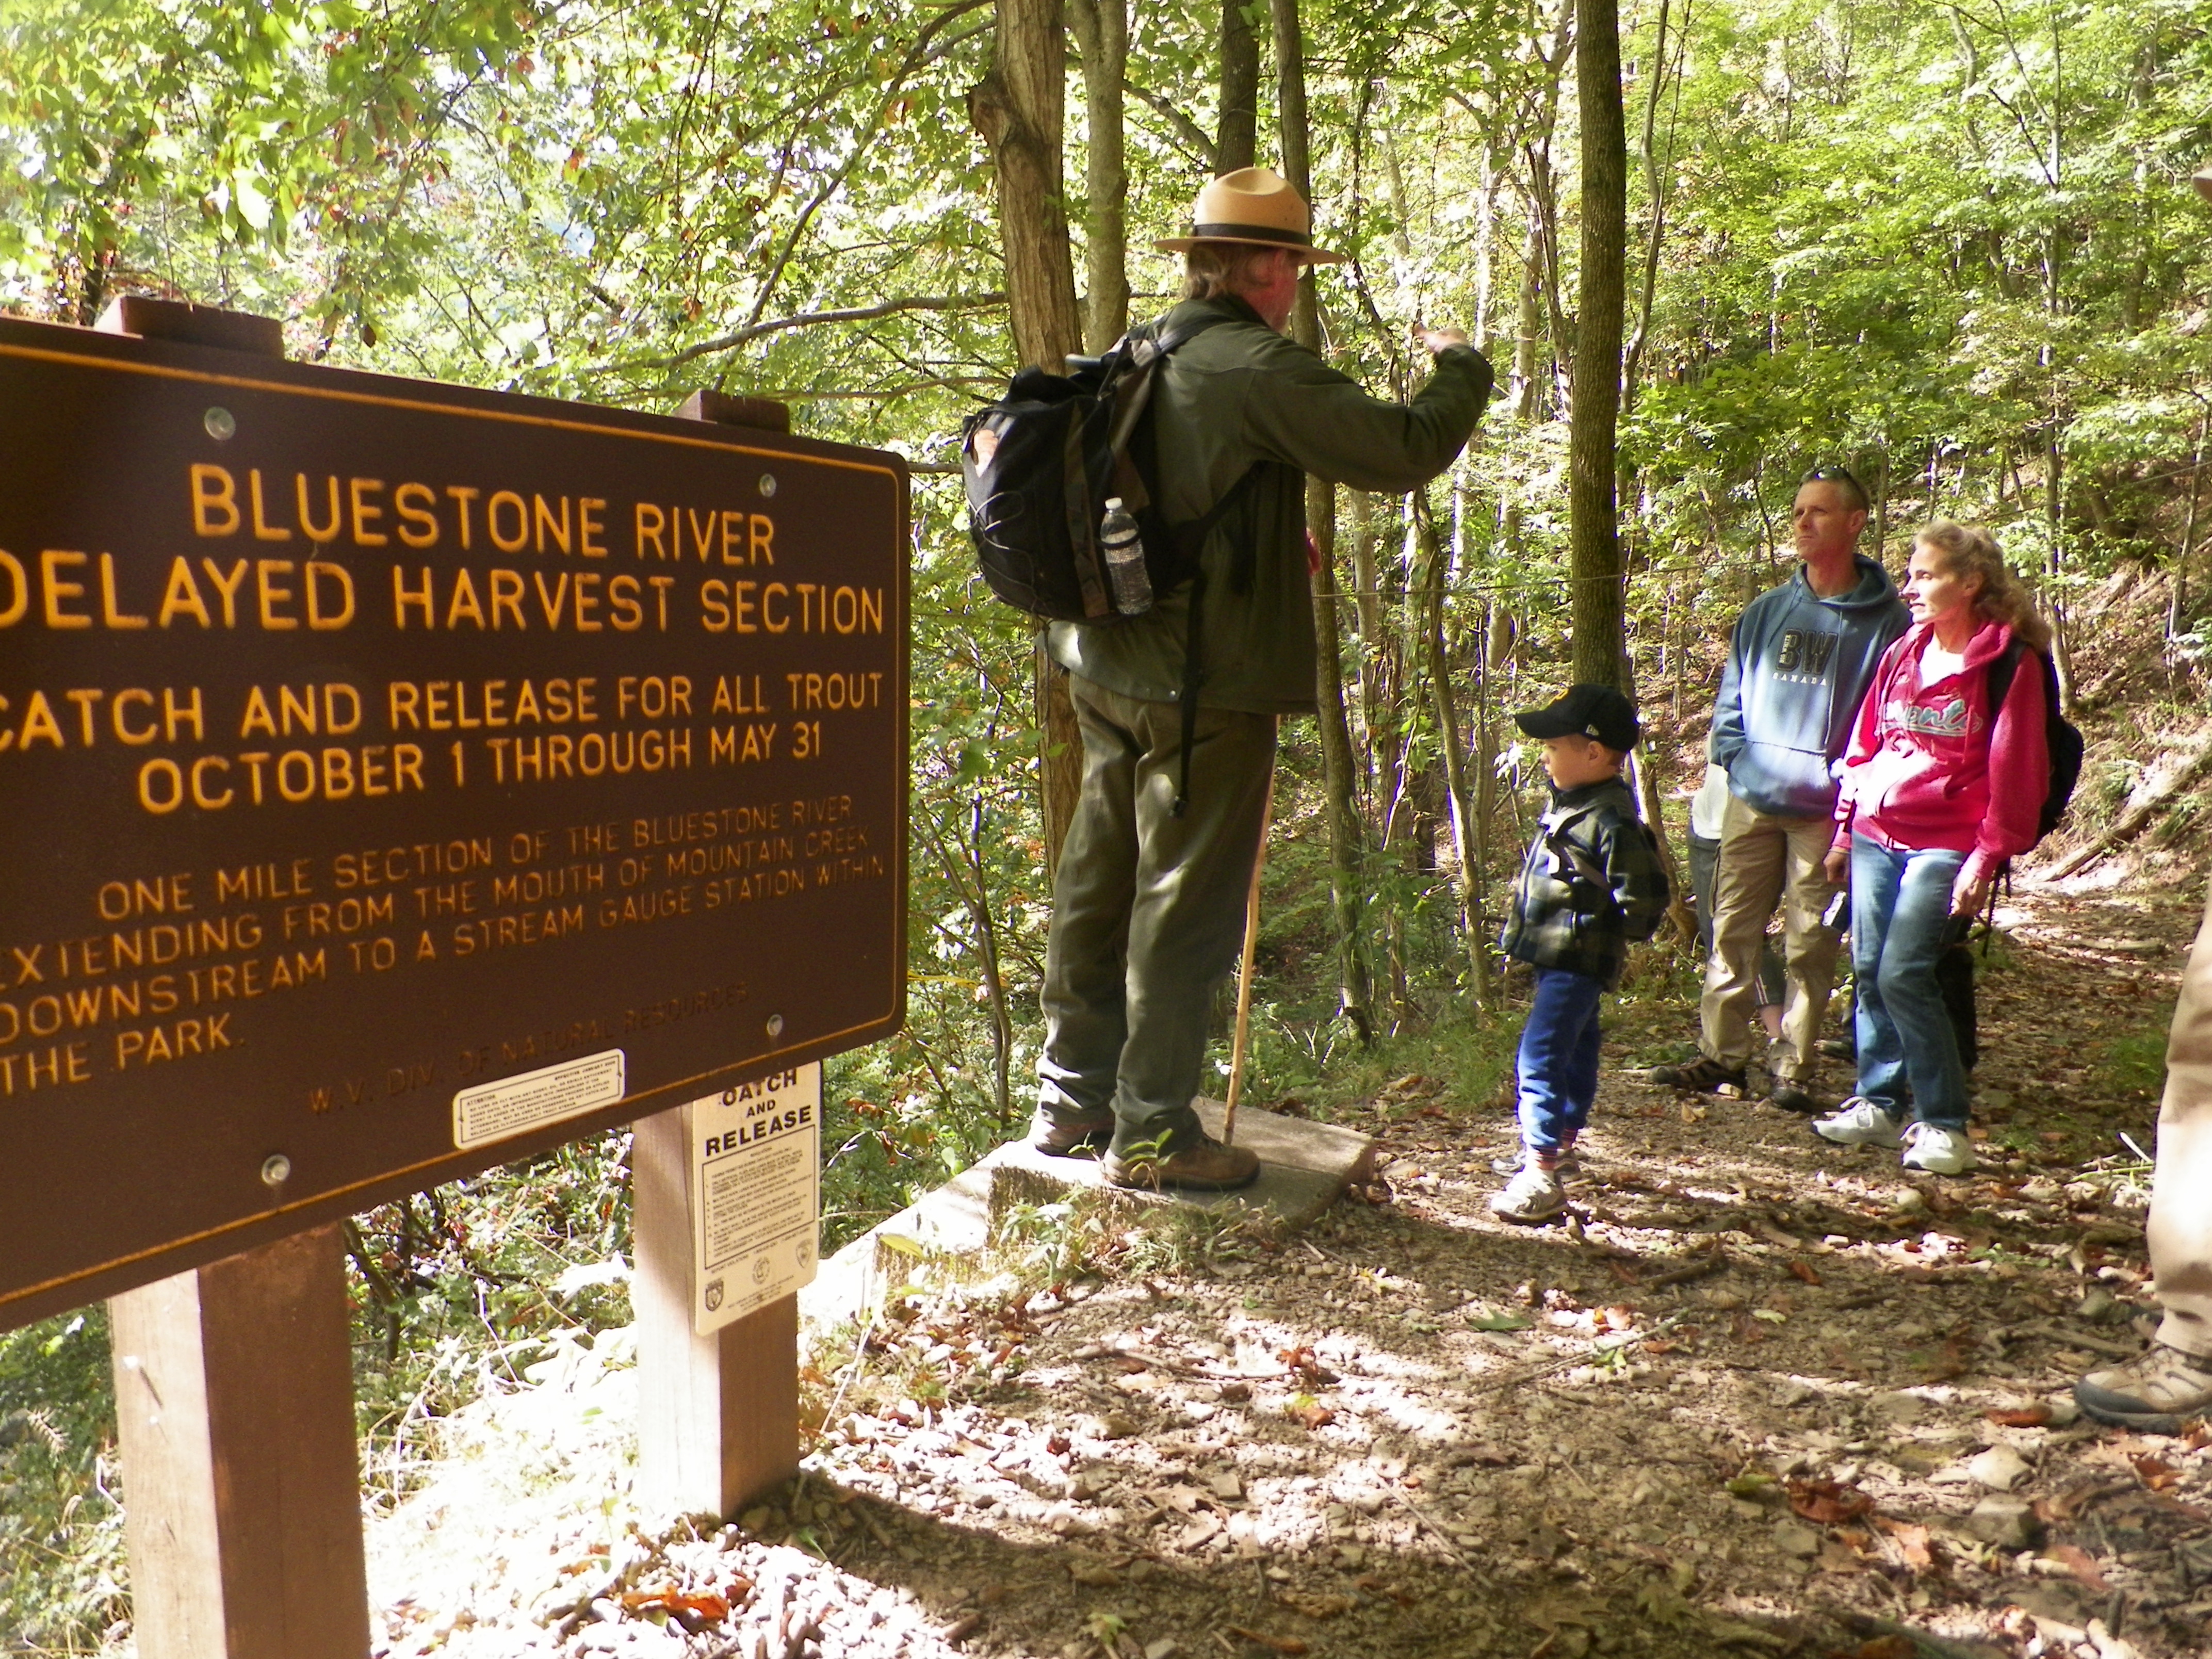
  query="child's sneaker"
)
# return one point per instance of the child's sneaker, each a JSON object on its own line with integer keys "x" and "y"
{"x": 1569, "y": 1163}
{"x": 1939, "y": 1151}
{"x": 1533, "y": 1195}
{"x": 1859, "y": 1122}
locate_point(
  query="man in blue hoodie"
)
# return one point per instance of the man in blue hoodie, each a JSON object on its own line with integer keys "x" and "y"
{"x": 1799, "y": 663}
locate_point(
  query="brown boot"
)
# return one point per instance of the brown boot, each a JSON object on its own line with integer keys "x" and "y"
{"x": 1071, "y": 1137}
{"x": 1205, "y": 1165}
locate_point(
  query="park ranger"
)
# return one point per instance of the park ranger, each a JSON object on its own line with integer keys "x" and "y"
{"x": 1148, "y": 903}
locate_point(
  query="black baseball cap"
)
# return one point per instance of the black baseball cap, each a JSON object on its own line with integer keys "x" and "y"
{"x": 1586, "y": 711}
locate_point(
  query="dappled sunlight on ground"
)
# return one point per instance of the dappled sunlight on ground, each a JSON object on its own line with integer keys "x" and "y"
{"x": 1756, "y": 1394}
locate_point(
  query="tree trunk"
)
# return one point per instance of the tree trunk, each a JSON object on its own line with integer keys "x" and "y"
{"x": 1019, "y": 107}
{"x": 2177, "y": 614}
{"x": 1235, "y": 142}
{"x": 1102, "y": 28}
{"x": 1599, "y": 599}
{"x": 1459, "y": 791}
{"x": 1339, "y": 794}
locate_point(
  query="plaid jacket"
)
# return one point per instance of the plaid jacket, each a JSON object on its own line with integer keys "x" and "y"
{"x": 1592, "y": 881}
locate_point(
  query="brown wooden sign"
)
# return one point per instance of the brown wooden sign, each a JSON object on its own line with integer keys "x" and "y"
{"x": 397, "y": 779}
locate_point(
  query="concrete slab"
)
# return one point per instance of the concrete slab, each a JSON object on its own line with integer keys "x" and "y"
{"x": 1304, "y": 1168}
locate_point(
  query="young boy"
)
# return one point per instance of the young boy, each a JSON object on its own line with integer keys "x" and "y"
{"x": 1592, "y": 881}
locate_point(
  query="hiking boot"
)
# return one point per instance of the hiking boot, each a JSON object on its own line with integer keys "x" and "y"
{"x": 2157, "y": 1392}
{"x": 1792, "y": 1095}
{"x": 1939, "y": 1151}
{"x": 1705, "y": 1075}
{"x": 1533, "y": 1195}
{"x": 1859, "y": 1122}
{"x": 1206, "y": 1165}
{"x": 1569, "y": 1165}
{"x": 1071, "y": 1137}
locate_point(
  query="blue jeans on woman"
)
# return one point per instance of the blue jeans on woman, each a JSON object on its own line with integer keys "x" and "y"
{"x": 1900, "y": 907}
{"x": 1557, "y": 1061}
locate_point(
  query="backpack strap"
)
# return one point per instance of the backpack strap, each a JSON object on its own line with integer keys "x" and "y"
{"x": 2002, "y": 667}
{"x": 1193, "y": 537}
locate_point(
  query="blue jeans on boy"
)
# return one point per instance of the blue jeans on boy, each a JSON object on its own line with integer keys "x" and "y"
{"x": 1900, "y": 905}
{"x": 1558, "y": 1061}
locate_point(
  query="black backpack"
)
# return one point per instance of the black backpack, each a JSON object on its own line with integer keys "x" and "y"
{"x": 1040, "y": 464}
{"x": 2060, "y": 735}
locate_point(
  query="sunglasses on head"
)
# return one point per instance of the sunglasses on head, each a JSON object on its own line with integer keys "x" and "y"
{"x": 1838, "y": 474}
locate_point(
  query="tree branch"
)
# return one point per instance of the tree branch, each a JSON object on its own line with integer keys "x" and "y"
{"x": 1187, "y": 135}
{"x": 807, "y": 320}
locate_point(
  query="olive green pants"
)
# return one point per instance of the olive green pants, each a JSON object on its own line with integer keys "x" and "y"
{"x": 1148, "y": 912}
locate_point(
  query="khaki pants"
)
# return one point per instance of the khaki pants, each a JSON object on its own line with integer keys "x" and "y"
{"x": 2181, "y": 1191}
{"x": 1765, "y": 858}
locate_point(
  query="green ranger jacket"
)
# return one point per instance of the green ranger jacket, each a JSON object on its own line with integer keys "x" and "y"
{"x": 1239, "y": 393}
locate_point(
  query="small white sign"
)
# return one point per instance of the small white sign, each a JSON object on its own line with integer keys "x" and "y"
{"x": 495, "y": 1111}
{"x": 756, "y": 1194}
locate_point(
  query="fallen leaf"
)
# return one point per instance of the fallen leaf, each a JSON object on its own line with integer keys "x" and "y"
{"x": 1199, "y": 1533}
{"x": 1912, "y": 1540}
{"x": 1317, "y": 1606}
{"x": 1828, "y": 1502}
{"x": 2157, "y": 1474}
{"x": 1804, "y": 1270}
{"x": 1311, "y": 1414}
{"x": 1097, "y": 1574}
{"x": 1284, "y": 1644}
{"x": 1887, "y": 1647}
{"x": 2079, "y": 1562}
{"x": 1499, "y": 1322}
{"x": 707, "y": 1605}
{"x": 2026, "y": 1417}
{"x": 1375, "y": 1586}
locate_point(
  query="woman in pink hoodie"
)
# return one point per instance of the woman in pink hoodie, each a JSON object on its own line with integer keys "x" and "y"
{"x": 1941, "y": 785}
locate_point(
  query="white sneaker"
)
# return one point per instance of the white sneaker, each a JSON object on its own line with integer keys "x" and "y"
{"x": 1533, "y": 1195}
{"x": 1859, "y": 1122}
{"x": 1937, "y": 1150}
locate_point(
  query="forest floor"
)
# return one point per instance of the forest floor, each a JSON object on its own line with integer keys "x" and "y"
{"x": 1759, "y": 1395}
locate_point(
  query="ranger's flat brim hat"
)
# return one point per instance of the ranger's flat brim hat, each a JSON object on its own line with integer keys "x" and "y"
{"x": 1256, "y": 208}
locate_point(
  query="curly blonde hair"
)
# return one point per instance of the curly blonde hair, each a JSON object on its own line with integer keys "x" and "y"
{"x": 1970, "y": 550}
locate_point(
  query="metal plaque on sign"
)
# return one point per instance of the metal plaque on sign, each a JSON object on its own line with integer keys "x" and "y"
{"x": 401, "y": 778}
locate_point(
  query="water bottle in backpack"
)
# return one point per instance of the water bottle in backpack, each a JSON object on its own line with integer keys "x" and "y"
{"x": 1124, "y": 548}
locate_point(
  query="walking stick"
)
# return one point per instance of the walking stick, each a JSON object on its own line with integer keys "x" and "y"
{"x": 1238, "y": 1048}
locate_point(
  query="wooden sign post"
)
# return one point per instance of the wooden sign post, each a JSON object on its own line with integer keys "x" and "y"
{"x": 404, "y": 779}
{"x": 718, "y": 1414}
